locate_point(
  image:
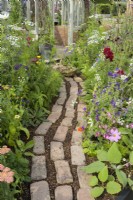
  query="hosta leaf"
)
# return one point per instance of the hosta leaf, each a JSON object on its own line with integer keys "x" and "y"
{"x": 114, "y": 155}
{"x": 113, "y": 187}
{"x": 97, "y": 191}
{"x": 94, "y": 167}
{"x": 102, "y": 155}
{"x": 93, "y": 181}
{"x": 122, "y": 177}
{"x": 131, "y": 158}
{"x": 103, "y": 174}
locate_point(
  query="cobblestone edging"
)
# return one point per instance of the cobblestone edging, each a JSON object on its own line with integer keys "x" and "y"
{"x": 40, "y": 188}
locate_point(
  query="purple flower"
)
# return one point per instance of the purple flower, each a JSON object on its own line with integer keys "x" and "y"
{"x": 17, "y": 67}
{"x": 79, "y": 92}
{"x": 113, "y": 103}
{"x": 84, "y": 108}
{"x": 113, "y": 75}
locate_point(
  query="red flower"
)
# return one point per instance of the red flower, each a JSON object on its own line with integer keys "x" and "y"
{"x": 120, "y": 72}
{"x": 28, "y": 39}
{"x": 108, "y": 53}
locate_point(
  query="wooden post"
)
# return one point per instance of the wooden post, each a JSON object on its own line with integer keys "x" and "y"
{"x": 28, "y": 10}
{"x": 70, "y": 29}
{"x": 36, "y": 19}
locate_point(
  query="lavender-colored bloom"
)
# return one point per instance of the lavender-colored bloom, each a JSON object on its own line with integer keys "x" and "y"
{"x": 84, "y": 108}
{"x": 17, "y": 67}
{"x": 79, "y": 92}
{"x": 113, "y": 103}
{"x": 97, "y": 103}
{"x": 94, "y": 96}
{"x": 113, "y": 75}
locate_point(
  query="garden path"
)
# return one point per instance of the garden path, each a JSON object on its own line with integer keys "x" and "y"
{"x": 57, "y": 165}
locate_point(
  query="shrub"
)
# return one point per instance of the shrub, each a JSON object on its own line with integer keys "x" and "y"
{"x": 103, "y": 8}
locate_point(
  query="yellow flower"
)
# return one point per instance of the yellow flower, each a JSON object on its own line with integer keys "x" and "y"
{"x": 17, "y": 116}
{"x": 37, "y": 63}
{"x": 5, "y": 87}
{"x": 38, "y": 57}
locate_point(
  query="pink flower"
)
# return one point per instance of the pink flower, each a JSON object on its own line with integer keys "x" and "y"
{"x": 6, "y": 175}
{"x": 1, "y": 167}
{"x": 97, "y": 134}
{"x": 131, "y": 125}
{"x": 4, "y": 150}
{"x": 115, "y": 136}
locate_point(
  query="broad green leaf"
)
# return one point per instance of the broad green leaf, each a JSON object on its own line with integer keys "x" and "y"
{"x": 111, "y": 178}
{"x": 113, "y": 187}
{"x": 102, "y": 155}
{"x": 131, "y": 158}
{"x": 94, "y": 167}
{"x": 93, "y": 181}
{"x": 114, "y": 155}
{"x": 29, "y": 145}
{"x": 26, "y": 131}
{"x": 122, "y": 177}
{"x": 97, "y": 191}
{"x": 103, "y": 174}
{"x": 130, "y": 182}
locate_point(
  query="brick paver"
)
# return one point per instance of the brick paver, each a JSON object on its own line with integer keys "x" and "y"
{"x": 77, "y": 155}
{"x": 43, "y": 128}
{"x": 56, "y": 151}
{"x": 61, "y": 133}
{"x": 67, "y": 121}
{"x": 63, "y": 193}
{"x": 38, "y": 171}
{"x": 40, "y": 191}
{"x": 63, "y": 173}
{"x": 38, "y": 145}
{"x": 76, "y": 138}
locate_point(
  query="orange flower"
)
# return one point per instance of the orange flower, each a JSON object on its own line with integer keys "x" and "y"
{"x": 80, "y": 129}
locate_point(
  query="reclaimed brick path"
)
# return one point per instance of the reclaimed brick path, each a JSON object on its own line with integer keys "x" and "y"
{"x": 64, "y": 178}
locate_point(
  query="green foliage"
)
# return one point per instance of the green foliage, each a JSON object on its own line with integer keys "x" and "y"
{"x": 97, "y": 191}
{"x": 114, "y": 151}
{"x": 113, "y": 187}
{"x": 103, "y": 174}
{"x": 16, "y": 12}
{"x": 94, "y": 167}
{"x": 103, "y": 8}
{"x": 121, "y": 177}
{"x": 131, "y": 158}
{"x": 93, "y": 181}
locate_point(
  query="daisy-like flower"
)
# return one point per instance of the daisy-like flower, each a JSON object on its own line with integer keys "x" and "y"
{"x": 115, "y": 135}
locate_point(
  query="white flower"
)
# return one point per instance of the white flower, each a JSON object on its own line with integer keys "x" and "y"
{"x": 123, "y": 77}
{"x": 90, "y": 121}
{"x": 130, "y": 101}
{"x": 1, "y": 111}
{"x": 17, "y": 116}
{"x": 97, "y": 77}
{"x": 120, "y": 121}
{"x": 118, "y": 102}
